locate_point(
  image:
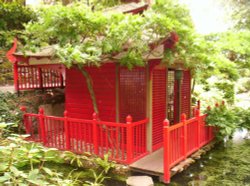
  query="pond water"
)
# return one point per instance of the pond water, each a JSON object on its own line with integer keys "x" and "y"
{"x": 228, "y": 164}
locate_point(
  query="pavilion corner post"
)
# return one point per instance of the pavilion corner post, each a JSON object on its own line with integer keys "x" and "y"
{"x": 42, "y": 126}
{"x": 129, "y": 120}
{"x": 95, "y": 134}
{"x": 16, "y": 82}
{"x": 166, "y": 136}
{"x": 184, "y": 150}
{"x": 66, "y": 130}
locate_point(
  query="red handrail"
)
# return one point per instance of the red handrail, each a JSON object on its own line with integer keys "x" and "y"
{"x": 183, "y": 139}
{"x": 37, "y": 77}
{"x": 125, "y": 142}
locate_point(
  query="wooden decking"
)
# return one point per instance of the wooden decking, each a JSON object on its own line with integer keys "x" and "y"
{"x": 151, "y": 164}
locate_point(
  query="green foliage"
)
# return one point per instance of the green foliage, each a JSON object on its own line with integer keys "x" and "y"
{"x": 224, "y": 118}
{"x": 244, "y": 118}
{"x": 228, "y": 119}
{"x": 101, "y": 169}
{"x": 229, "y": 63}
{"x": 23, "y": 163}
{"x": 11, "y": 102}
{"x": 9, "y": 112}
{"x": 26, "y": 163}
{"x": 6, "y": 74}
{"x": 13, "y": 16}
{"x": 227, "y": 164}
{"x": 192, "y": 49}
{"x": 239, "y": 13}
{"x": 84, "y": 37}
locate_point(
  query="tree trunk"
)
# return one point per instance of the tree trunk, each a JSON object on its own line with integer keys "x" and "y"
{"x": 90, "y": 88}
{"x": 193, "y": 85}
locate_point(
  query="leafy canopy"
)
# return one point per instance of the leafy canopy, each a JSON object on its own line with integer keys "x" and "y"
{"x": 13, "y": 16}
{"x": 85, "y": 37}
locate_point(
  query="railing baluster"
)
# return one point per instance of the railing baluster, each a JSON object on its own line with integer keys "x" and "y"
{"x": 129, "y": 139}
{"x": 167, "y": 152}
{"x": 41, "y": 125}
{"x": 183, "y": 119}
{"x": 66, "y": 130}
{"x": 197, "y": 115}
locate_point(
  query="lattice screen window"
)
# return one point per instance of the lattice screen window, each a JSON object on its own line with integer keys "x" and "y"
{"x": 186, "y": 93}
{"x": 132, "y": 92}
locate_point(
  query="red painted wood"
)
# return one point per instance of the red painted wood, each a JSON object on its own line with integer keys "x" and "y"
{"x": 78, "y": 100}
{"x": 10, "y": 53}
{"x": 37, "y": 77}
{"x": 186, "y": 94}
{"x": 159, "y": 106}
{"x": 16, "y": 82}
{"x": 132, "y": 90}
{"x": 41, "y": 125}
{"x": 166, "y": 166}
{"x": 183, "y": 139}
{"x": 93, "y": 136}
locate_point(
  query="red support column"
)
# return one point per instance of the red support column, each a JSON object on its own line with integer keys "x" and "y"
{"x": 66, "y": 130}
{"x": 16, "y": 82}
{"x": 130, "y": 138}
{"x": 41, "y": 125}
{"x": 184, "y": 148}
{"x": 197, "y": 115}
{"x": 95, "y": 134}
{"x": 166, "y": 141}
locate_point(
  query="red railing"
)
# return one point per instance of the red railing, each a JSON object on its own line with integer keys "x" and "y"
{"x": 183, "y": 139}
{"x": 37, "y": 77}
{"x": 124, "y": 142}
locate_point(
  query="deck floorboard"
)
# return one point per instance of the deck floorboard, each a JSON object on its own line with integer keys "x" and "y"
{"x": 152, "y": 163}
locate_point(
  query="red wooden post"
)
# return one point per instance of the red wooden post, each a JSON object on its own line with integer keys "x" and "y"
{"x": 166, "y": 141}
{"x": 184, "y": 149}
{"x": 16, "y": 82}
{"x": 95, "y": 134}
{"x": 197, "y": 115}
{"x": 66, "y": 130}
{"x": 130, "y": 139}
{"x": 41, "y": 125}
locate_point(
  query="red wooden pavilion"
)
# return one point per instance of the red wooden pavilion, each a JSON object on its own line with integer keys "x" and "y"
{"x": 132, "y": 107}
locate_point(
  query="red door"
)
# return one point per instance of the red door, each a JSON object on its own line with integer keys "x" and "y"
{"x": 159, "y": 106}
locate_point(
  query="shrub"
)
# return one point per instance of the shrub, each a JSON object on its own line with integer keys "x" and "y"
{"x": 224, "y": 118}
{"x": 13, "y": 16}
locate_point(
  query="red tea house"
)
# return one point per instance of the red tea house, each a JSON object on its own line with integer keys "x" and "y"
{"x": 132, "y": 106}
